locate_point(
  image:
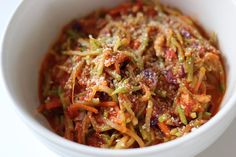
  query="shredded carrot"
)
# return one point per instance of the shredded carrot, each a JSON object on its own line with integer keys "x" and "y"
{"x": 76, "y": 106}
{"x": 55, "y": 103}
{"x": 117, "y": 68}
{"x": 108, "y": 104}
{"x": 122, "y": 8}
{"x": 79, "y": 132}
{"x": 85, "y": 126}
{"x": 164, "y": 128}
{"x": 69, "y": 127}
{"x": 41, "y": 108}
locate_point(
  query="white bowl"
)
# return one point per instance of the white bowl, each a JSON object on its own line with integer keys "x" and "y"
{"x": 36, "y": 24}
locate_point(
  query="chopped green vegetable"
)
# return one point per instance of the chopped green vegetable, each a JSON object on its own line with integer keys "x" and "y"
{"x": 193, "y": 115}
{"x": 144, "y": 44}
{"x": 162, "y": 93}
{"x": 121, "y": 87}
{"x": 117, "y": 43}
{"x": 207, "y": 115}
{"x": 189, "y": 68}
{"x": 173, "y": 131}
{"x": 114, "y": 74}
{"x": 94, "y": 43}
{"x": 182, "y": 115}
{"x": 163, "y": 118}
{"x": 144, "y": 133}
{"x": 100, "y": 65}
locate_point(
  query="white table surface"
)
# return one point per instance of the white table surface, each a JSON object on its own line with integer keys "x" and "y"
{"x": 16, "y": 140}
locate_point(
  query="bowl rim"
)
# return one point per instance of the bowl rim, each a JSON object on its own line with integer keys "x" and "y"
{"x": 60, "y": 141}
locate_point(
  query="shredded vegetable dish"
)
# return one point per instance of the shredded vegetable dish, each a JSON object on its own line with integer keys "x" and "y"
{"x": 136, "y": 75}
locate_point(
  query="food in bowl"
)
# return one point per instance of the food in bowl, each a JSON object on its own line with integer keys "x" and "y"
{"x": 132, "y": 76}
